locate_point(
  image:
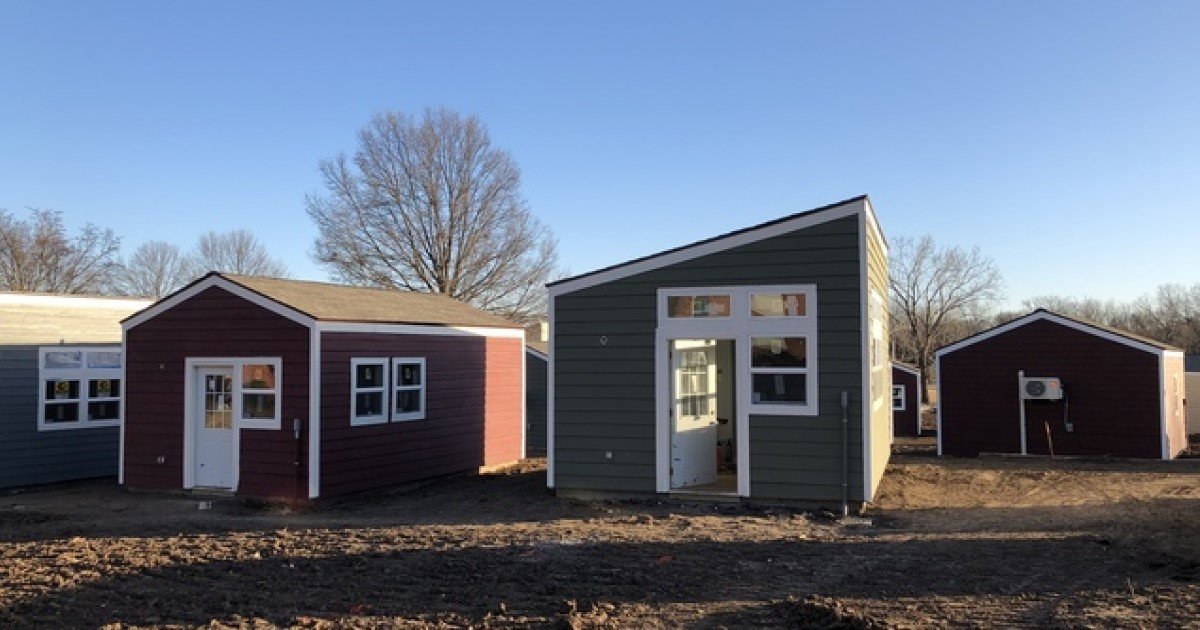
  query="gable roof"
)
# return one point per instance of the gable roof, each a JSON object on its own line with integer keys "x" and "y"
{"x": 728, "y": 240}
{"x": 911, "y": 369}
{"x": 1106, "y": 332}
{"x": 325, "y": 302}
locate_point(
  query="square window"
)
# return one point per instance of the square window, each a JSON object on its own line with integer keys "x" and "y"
{"x": 107, "y": 410}
{"x": 58, "y": 413}
{"x": 258, "y": 406}
{"x": 768, "y": 388}
{"x": 368, "y": 375}
{"x": 790, "y": 352}
{"x": 368, "y": 404}
{"x": 408, "y": 401}
{"x": 258, "y": 376}
{"x": 408, "y": 374}
{"x": 62, "y": 390}
{"x": 104, "y": 388}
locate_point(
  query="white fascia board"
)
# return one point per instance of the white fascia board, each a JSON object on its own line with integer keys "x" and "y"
{"x": 904, "y": 368}
{"x": 219, "y": 282}
{"x": 1051, "y": 317}
{"x": 419, "y": 329}
{"x": 72, "y": 301}
{"x": 314, "y": 414}
{"x": 856, "y": 207}
{"x": 873, "y": 222}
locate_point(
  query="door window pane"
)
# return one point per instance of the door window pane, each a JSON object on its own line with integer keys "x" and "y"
{"x": 778, "y": 305}
{"x": 791, "y": 352}
{"x": 779, "y": 388}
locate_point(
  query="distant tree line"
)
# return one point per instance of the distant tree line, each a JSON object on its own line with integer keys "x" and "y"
{"x": 38, "y": 254}
{"x": 1171, "y": 314}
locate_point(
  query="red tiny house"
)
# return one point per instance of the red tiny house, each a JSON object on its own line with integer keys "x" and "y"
{"x": 223, "y": 373}
{"x": 1117, "y": 397}
{"x": 906, "y": 400}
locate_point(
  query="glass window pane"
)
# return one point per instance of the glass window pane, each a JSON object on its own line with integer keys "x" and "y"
{"x": 256, "y": 406}
{"x": 779, "y": 388}
{"x": 109, "y": 410}
{"x": 258, "y": 376}
{"x": 779, "y": 352}
{"x": 368, "y": 375}
{"x": 104, "y": 388}
{"x": 778, "y": 305}
{"x": 63, "y": 359}
{"x": 698, "y": 306}
{"x": 368, "y": 404}
{"x": 408, "y": 401}
{"x": 408, "y": 374}
{"x": 62, "y": 412}
{"x": 62, "y": 390}
{"x": 104, "y": 359}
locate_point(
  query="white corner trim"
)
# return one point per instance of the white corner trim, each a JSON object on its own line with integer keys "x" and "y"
{"x": 419, "y": 329}
{"x": 215, "y": 281}
{"x": 666, "y": 259}
{"x": 524, "y": 399}
{"x": 550, "y": 398}
{"x": 124, "y": 412}
{"x": 1163, "y": 397}
{"x": 867, "y": 406}
{"x": 937, "y": 362}
{"x": 314, "y": 413}
{"x": 1057, "y": 319}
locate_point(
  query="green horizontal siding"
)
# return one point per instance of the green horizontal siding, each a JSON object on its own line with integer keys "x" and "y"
{"x": 604, "y": 396}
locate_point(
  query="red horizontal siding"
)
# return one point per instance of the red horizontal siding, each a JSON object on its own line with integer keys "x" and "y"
{"x": 906, "y": 423}
{"x": 1113, "y": 395}
{"x": 214, "y": 323}
{"x": 472, "y": 386}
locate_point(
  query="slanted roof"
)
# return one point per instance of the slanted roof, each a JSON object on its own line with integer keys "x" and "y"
{"x": 323, "y": 301}
{"x": 728, "y": 240}
{"x": 50, "y": 318}
{"x": 911, "y": 369}
{"x": 1099, "y": 330}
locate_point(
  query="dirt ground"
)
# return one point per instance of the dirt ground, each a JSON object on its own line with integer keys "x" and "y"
{"x": 986, "y": 542}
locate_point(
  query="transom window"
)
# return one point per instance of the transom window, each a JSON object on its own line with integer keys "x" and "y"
{"x": 777, "y": 324}
{"x": 79, "y": 388}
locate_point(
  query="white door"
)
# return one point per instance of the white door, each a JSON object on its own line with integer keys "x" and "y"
{"x": 694, "y": 413}
{"x": 214, "y": 428}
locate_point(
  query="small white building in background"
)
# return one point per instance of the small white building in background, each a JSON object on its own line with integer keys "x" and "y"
{"x": 1191, "y": 367}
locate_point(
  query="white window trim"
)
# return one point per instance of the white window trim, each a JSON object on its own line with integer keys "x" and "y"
{"x": 879, "y": 355}
{"x": 903, "y": 397}
{"x": 270, "y": 424}
{"x": 83, "y": 374}
{"x": 355, "y": 390}
{"x": 393, "y": 388}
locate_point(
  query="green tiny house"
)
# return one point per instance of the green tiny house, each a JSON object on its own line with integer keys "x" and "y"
{"x": 718, "y": 368}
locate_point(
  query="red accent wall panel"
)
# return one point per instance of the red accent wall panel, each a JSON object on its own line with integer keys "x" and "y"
{"x": 470, "y": 395}
{"x": 1113, "y": 400}
{"x": 213, "y": 323}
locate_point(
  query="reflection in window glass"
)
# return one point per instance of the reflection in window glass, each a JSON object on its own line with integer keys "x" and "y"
{"x": 778, "y": 305}
{"x": 698, "y": 306}
{"x": 791, "y": 352}
{"x": 408, "y": 374}
{"x": 368, "y": 404}
{"x": 408, "y": 401}
{"x": 258, "y": 406}
{"x": 62, "y": 412}
{"x": 779, "y": 388}
{"x": 258, "y": 376}
{"x": 108, "y": 410}
{"x": 104, "y": 388}
{"x": 62, "y": 390}
{"x": 369, "y": 375}
{"x": 63, "y": 359}
{"x": 109, "y": 360}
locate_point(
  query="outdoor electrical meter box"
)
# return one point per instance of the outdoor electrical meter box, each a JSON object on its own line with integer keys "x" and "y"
{"x": 1041, "y": 388}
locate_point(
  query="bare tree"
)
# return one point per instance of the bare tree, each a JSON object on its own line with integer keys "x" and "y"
{"x": 155, "y": 269}
{"x": 39, "y": 255}
{"x": 430, "y": 205}
{"x": 939, "y": 295}
{"x": 234, "y": 252}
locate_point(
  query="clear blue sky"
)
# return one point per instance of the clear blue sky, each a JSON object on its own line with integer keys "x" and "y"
{"x": 1061, "y": 137}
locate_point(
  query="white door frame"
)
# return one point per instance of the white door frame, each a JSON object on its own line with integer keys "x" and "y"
{"x": 664, "y": 401}
{"x": 192, "y": 367}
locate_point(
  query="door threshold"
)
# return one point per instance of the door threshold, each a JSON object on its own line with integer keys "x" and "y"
{"x": 705, "y": 495}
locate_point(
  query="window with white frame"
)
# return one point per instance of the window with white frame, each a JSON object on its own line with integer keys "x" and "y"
{"x": 368, "y": 391}
{"x": 777, "y": 326}
{"x": 79, "y": 388}
{"x": 877, "y": 349}
{"x": 898, "y": 398}
{"x": 408, "y": 389}
{"x": 260, "y": 397}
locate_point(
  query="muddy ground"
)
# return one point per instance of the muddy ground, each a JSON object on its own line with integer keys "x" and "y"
{"x": 987, "y": 542}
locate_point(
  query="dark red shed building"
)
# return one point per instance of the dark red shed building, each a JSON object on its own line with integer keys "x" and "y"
{"x": 292, "y": 389}
{"x": 1085, "y": 389}
{"x": 906, "y": 400}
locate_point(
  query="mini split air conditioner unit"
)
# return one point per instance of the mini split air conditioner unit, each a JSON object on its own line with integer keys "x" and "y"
{"x": 1041, "y": 388}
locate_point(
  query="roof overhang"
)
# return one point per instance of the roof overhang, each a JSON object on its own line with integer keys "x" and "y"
{"x": 904, "y": 367}
{"x": 208, "y": 281}
{"x": 848, "y": 208}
